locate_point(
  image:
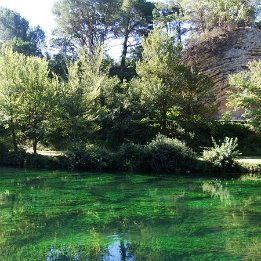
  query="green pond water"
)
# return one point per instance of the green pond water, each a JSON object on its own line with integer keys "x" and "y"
{"x": 46, "y": 215}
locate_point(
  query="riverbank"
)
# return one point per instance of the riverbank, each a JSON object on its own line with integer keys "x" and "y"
{"x": 54, "y": 160}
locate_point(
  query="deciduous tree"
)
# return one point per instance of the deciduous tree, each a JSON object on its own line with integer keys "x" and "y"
{"x": 166, "y": 85}
{"x": 247, "y": 93}
{"x": 25, "y": 95}
{"x": 81, "y": 99}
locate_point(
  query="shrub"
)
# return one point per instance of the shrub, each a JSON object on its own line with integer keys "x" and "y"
{"x": 223, "y": 155}
{"x": 90, "y": 157}
{"x": 168, "y": 155}
{"x": 15, "y": 158}
{"x": 197, "y": 135}
{"x": 130, "y": 157}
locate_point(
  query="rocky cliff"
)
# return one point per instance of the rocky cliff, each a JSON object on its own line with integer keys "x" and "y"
{"x": 222, "y": 55}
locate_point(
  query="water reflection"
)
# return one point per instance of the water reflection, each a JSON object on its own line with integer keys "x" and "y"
{"x": 119, "y": 250}
{"x": 116, "y": 251}
{"x": 217, "y": 189}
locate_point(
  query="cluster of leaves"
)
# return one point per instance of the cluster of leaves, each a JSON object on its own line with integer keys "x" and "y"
{"x": 168, "y": 155}
{"x": 247, "y": 92}
{"x": 167, "y": 86}
{"x": 223, "y": 155}
{"x": 161, "y": 155}
{"x": 26, "y": 94}
{"x": 207, "y": 15}
{"x": 90, "y": 23}
{"x": 90, "y": 157}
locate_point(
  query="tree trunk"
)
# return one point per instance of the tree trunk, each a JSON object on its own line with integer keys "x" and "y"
{"x": 125, "y": 50}
{"x": 35, "y": 145}
{"x": 163, "y": 120}
{"x": 13, "y": 136}
{"x": 125, "y": 44}
{"x": 34, "y": 134}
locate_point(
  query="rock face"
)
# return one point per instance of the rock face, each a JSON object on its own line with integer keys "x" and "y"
{"x": 223, "y": 55}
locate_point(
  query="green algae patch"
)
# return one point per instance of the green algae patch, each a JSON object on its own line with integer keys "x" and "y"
{"x": 70, "y": 216}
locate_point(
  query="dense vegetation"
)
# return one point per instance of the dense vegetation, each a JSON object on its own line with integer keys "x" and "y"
{"x": 107, "y": 114}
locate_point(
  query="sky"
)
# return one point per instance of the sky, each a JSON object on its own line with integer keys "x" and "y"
{"x": 37, "y": 12}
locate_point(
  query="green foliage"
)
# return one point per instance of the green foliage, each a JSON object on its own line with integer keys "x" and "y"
{"x": 26, "y": 94}
{"x": 120, "y": 117}
{"x": 224, "y": 14}
{"x": 12, "y": 25}
{"x": 80, "y": 100}
{"x": 197, "y": 134}
{"x": 3, "y": 150}
{"x": 158, "y": 77}
{"x": 168, "y": 88}
{"x": 86, "y": 22}
{"x": 16, "y": 33}
{"x": 247, "y": 93}
{"x": 131, "y": 157}
{"x": 252, "y": 177}
{"x": 25, "y": 160}
{"x": 172, "y": 15}
{"x": 161, "y": 155}
{"x": 223, "y": 155}
{"x": 169, "y": 155}
{"x": 133, "y": 20}
{"x": 14, "y": 158}
{"x": 90, "y": 157}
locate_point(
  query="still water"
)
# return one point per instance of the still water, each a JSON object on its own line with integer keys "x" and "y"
{"x": 69, "y": 216}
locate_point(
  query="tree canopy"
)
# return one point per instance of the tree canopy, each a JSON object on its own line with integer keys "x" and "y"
{"x": 207, "y": 15}
{"x": 167, "y": 85}
{"x": 78, "y": 94}
{"x": 26, "y": 95}
{"x": 87, "y": 22}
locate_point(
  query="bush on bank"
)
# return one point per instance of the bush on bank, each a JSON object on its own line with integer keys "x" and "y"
{"x": 166, "y": 155}
{"x": 223, "y": 155}
{"x": 198, "y": 134}
{"x": 162, "y": 155}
